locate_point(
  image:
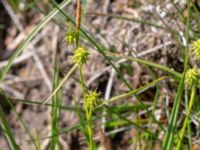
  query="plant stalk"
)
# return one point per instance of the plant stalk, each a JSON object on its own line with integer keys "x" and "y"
{"x": 192, "y": 98}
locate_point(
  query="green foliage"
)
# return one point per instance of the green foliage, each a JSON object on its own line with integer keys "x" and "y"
{"x": 6, "y": 128}
{"x": 14, "y": 4}
{"x": 36, "y": 30}
{"x": 119, "y": 115}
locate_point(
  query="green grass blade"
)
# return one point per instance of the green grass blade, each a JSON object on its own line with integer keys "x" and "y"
{"x": 196, "y": 10}
{"x": 173, "y": 118}
{"x": 55, "y": 110}
{"x": 149, "y": 63}
{"x": 133, "y": 91}
{"x": 120, "y": 117}
{"x": 178, "y": 10}
{"x": 131, "y": 122}
{"x": 30, "y": 37}
{"x": 22, "y": 123}
{"x": 9, "y": 135}
{"x": 189, "y": 127}
{"x": 192, "y": 98}
{"x": 169, "y": 135}
{"x": 37, "y": 102}
{"x": 82, "y": 123}
{"x": 61, "y": 83}
{"x": 129, "y": 19}
{"x": 73, "y": 108}
{"x": 37, "y": 140}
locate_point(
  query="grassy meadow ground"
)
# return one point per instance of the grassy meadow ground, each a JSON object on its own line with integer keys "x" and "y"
{"x": 99, "y": 74}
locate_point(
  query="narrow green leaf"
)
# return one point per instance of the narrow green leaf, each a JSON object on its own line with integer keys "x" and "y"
{"x": 37, "y": 140}
{"x": 55, "y": 109}
{"x": 30, "y": 37}
{"x": 149, "y": 63}
{"x": 61, "y": 83}
{"x": 133, "y": 91}
{"x": 9, "y": 135}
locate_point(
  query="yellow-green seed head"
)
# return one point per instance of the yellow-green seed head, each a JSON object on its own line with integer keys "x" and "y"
{"x": 80, "y": 56}
{"x": 191, "y": 77}
{"x": 91, "y": 100}
{"x": 196, "y": 49}
{"x": 71, "y": 36}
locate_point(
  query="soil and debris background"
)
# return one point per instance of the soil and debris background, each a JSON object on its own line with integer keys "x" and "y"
{"x": 30, "y": 77}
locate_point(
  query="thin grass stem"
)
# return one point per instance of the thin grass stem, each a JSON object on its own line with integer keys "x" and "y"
{"x": 192, "y": 98}
{"x": 9, "y": 135}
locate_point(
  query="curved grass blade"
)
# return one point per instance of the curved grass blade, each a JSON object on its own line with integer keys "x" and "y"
{"x": 9, "y": 135}
{"x": 30, "y": 37}
{"x": 149, "y": 63}
{"x": 133, "y": 91}
{"x": 37, "y": 102}
{"x": 22, "y": 123}
{"x": 192, "y": 98}
{"x": 73, "y": 108}
{"x": 120, "y": 117}
{"x": 61, "y": 83}
{"x": 131, "y": 122}
{"x": 169, "y": 135}
{"x": 173, "y": 117}
{"x": 128, "y": 19}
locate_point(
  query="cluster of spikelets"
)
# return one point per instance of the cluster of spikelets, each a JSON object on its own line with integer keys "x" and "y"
{"x": 192, "y": 75}
{"x": 71, "y": 36}
{"x": 91, "y": 100}
{"x": 80, "y": 58}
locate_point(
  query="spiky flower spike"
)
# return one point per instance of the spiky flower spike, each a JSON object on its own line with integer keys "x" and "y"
{"x": 80, "y": 56}
{"x": 91, "y": 100}
{"x": 191, "y": 77}
{"x": 71, "y": 36}
{"x": 196, "y": 49}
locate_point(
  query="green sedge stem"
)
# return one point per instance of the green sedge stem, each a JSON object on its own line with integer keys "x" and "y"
{"x": 192, "y": 98}
{"x": 88, "y": 111}
{"x": 81, "y": 80}
{"x": 77, "y": 39}
{"x": 90, "y": 132}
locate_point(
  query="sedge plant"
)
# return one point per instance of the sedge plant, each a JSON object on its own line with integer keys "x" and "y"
{"x": 91, "y": 98}
{"x": 191, "y": 81}
{"x": 192, "y": 77}
{"x": 79, "y": 59}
